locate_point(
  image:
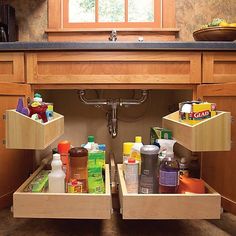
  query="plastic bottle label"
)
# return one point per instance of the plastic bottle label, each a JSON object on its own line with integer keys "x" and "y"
{"x": 169, "y": 179}
{"x": 146, "y": 184}
{"x": 137, "y": 156}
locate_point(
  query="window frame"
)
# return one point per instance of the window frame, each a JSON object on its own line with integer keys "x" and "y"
{"x": 155, "y": 24}
{"x": 58, "y": 32}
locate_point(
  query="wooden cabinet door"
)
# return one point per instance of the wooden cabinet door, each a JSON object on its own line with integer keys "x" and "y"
{"x": 219, "y": 168}
{"x": 12, "y": 67}
{"x": 219, "y": 67}
{"x": 15, "y": 165}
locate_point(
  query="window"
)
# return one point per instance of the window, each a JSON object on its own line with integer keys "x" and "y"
{"x": 112, "y": 13}
{"x": 83, "y": 20}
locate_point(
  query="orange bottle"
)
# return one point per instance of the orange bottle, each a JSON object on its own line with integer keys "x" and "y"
{"x": 63, "y": 148}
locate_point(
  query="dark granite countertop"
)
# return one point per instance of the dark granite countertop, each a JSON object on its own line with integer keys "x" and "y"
{"x": 50, "y": 46}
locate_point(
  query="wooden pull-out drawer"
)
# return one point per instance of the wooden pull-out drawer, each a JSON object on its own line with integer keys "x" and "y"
{"x": 168, "y": 206}
{"x": 219, "y": 67}
{"x": 114, "y": 67}
{"x": 24, "y": 133}
{"x": 12, "y": 67}
{"x": 212, "y": 134}
{"x": 62, "y": 205}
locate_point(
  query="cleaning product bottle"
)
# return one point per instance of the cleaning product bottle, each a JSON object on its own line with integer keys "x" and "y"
{"x": 135, "y": 151}
{"x": 63, "y": 148}
{"x": 169, "y": 171}
{"x": 163, "y": 144}
{"x": 148, "y": 178}
{"x": 127, "y": 146}
{"x": 79, "y": 168}
{"x": 184, "y": 166}
{"x": 56, "y": 179}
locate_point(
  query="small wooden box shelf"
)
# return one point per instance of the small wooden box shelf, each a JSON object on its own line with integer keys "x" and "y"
{"x": 213, "y": 134}
{"x": 25, "y": 133}
{"x": 62, "y": 205}
{"x": 168, "y": 206}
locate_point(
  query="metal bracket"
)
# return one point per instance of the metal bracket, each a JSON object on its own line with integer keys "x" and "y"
{"x": 232, "y": 119}
{"x": 232, "y": 144}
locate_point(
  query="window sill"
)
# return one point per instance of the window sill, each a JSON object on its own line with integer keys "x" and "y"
{"x": 95, "y": 30}
{"x": 102, "y": 34}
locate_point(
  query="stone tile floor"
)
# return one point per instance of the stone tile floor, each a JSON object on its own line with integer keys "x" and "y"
{"x": 10, "y": 226}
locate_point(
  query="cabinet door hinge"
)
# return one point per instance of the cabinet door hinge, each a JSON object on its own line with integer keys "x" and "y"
{"x": 4, "y": 116}
{"x": 232, "y": 144}
{"x": 4, "y": 142}
{"x": 232, "y": 118}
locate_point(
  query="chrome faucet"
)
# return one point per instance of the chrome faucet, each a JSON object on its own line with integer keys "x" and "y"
{"x": 113, "y": 35}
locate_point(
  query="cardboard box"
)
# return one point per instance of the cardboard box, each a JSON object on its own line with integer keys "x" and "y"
{"x": 159, "y": 133}
{"x": 194, "y": 112}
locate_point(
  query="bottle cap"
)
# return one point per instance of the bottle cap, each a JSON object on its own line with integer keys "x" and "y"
{"x": 56, "y": 156}
{"x": 131, "y": 160}
{"x": 183, "y": 163}
{"x": 38, "y": 97}
{"x": 63, "y": 147}
{"x": 78, "y": 152}
{"x": 138, "y": 139}
{"x": 91, "y": 139}
{"x": 127, "y": 148}
{"x": 102, "y": 147}
{"x": 149, "y": 150}
{"x": 183, "y": 160}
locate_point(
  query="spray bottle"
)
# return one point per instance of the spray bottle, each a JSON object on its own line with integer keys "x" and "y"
{"x": 169, "y": 169}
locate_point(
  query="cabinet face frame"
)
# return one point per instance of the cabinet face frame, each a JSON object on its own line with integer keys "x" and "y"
{"x": 219, "y": 67}
{"x": 13, "y": 162}
{"x": 225, "y": 188}
{"x": 113, "y": 67}
{"x": 12, "y": 67}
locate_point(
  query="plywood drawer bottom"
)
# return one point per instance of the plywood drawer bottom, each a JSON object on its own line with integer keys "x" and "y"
{"x": 168, "y": 206}
{"x": 66, "y": 205}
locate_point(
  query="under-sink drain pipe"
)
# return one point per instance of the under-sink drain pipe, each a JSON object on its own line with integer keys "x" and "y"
{"x": 113, "y": 103}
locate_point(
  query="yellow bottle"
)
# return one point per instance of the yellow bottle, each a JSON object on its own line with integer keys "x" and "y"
{"x": 135, "y": 151}
{"x": 127, "y": 146}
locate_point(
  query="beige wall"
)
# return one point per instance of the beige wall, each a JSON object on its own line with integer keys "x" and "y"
{"x": 190, "y": 15}
{"x": 32, "y": 19}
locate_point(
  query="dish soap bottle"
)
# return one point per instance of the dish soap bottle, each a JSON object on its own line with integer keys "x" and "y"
{"x": 135, "y": 151}
{"x": 56, "y": 179}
